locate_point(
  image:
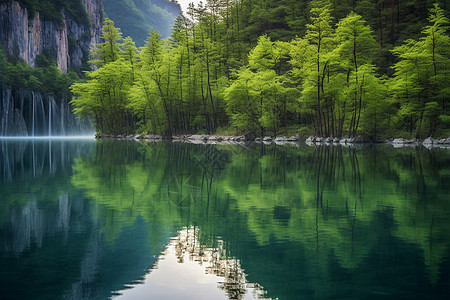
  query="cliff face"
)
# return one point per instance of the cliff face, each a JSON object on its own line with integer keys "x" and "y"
{"x": 25, "y": 37}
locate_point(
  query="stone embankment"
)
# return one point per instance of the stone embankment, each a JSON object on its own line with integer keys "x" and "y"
{"x": 399, "y": 142}
{"x": 250, "y": 137}
{"x": 189, "y": 138}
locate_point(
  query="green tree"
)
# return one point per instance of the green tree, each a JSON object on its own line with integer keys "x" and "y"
{"x": 356, "y": 48}
{"x": 108, "y": 50}
{"x": 420, "y": 78}
{"x": 104, "y": 96}
{"x": 320, "y": 36}
{"x": 266, "y": 87}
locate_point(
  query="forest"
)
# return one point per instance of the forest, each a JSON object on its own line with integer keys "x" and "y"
{"x": 45, "y": 77}
{"x": 330, "y": 68}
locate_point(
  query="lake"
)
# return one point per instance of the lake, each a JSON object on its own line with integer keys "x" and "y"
{"x": 86, "y": 219}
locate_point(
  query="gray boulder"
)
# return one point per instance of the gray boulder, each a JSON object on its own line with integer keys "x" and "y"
{"x": 311, "y": 139}
{"x": 319, "y": 140}
{"x": 429, "y": 141}
{"x": 400, "y": 141}
{"x": 280, "y": 139}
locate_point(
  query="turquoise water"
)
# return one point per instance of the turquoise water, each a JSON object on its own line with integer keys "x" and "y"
{"x": 86, "y": 219}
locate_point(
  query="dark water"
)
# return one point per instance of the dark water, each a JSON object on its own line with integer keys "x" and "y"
{"x": 85, "y": 219}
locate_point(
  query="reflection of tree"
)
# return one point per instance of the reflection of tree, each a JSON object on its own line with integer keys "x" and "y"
{"x": 334, "y": 196}
{"x": 337, "y": 203}
{"x": 216, "y": 260}
{"x": 423, "y": 208}
{"x": 182, "y": 191}
{"x": 159, "y": 181}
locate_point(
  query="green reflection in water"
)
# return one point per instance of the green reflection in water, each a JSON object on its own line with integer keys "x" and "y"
{"x": 334, "y": 212}
{"x": 301, "y": 222}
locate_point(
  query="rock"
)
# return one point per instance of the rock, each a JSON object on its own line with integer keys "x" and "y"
{"x": 328, "y": 140}
{"x": 280, "y": 139}
{"x": 447, "y": 140}
{"x": 195, "y": 137}
{"x": 343, "y": 141}
{"x": 258, "y": 139}
{"x": 429, "y": 141}
{"x": 267, "y": 139}
{"x": 400, "y": 141}
{"x": 28, "y": 35}
{"x": 293, "y": 139}
{"x": 152, "y": 137}
{"x": 319, "y": 140}
{"x": 310, "y": 139}
{"x": 336, "y": 140}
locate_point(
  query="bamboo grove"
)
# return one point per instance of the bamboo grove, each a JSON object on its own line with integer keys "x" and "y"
{"x": 228, "y": 68}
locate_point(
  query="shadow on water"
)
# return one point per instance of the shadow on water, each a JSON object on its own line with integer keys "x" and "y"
{"x": 284, "y": 222}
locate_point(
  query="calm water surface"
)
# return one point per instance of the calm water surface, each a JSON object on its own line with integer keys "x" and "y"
{"x": 86, "y": 219}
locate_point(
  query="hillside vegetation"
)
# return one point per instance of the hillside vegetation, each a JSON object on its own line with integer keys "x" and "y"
{"x": 329, "y": 68}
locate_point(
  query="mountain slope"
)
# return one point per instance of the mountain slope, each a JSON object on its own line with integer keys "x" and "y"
{"x": 136, "y": 18}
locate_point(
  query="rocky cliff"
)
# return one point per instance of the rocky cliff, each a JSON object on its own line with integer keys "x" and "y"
{"x": 25, "y": 35}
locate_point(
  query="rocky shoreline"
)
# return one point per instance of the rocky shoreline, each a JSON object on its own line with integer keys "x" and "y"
{"x": 250, "y": 137}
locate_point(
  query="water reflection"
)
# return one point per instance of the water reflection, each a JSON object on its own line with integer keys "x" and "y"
{"x": 188, "y": 269}
{"x": 302, "y": 222}
{"x": 25, "y": 159}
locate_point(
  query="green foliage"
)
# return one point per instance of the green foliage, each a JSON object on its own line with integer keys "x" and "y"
{"x": 104, "y": 97}
{"x": 421, "y": 74}
{"x": 330, "y": 81}
{"x": 45, "y": 78}
{"x": 107, "y": 51}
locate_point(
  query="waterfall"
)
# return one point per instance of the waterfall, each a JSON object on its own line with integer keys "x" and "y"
{"x": 28, "y": 113}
